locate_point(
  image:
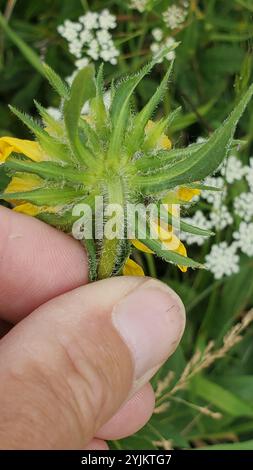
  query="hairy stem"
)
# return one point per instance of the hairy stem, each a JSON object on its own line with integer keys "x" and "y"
{"x": 110, "y": 247}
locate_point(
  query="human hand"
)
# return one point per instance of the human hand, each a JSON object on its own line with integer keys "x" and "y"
{"x": 74, "y": 368}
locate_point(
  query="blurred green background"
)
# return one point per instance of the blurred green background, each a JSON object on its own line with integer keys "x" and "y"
{"x": 211, "y": 404}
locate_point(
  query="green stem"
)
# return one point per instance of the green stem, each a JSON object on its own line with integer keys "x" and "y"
{"x": 110, "y": 247}
{"x": 151, "y": 265}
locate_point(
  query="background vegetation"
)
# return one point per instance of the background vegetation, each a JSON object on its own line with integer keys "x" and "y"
{"x": 204, "y": 392}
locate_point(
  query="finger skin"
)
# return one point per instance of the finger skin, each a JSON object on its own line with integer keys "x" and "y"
{"x": 131, "y": 417}
{"x": 96, "y": 444}
{"x": 37, "y": 263}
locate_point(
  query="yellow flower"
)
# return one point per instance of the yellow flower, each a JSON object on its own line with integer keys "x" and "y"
{"x": 29, "y": 209}
{"x": 24, "y": 182}
{"x": 168, "y": 238}
{"x": 163, "y": 142}
{"x": 28, "y": 148}
{"x": 131, "y": 268}
{"x": 140, "y": 246}
{"x": 187, "y": 194}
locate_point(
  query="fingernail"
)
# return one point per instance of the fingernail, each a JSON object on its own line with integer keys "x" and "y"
{"x": 151, "y": 321}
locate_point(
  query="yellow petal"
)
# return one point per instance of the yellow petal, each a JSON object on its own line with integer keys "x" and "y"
{"x": 131, "y": 268}
{"x": 28, "y": 148}
{"x": 140, "y": 246}
{"x": 163, "y": 142}
{"x": 28, "y": 209}
{"x": 182, "y": 251}
{"x": 24, "y": 182}
{"x": 186, "y": 194}
{"x": 31, "y": 209}
{"x": 172, "y": 242}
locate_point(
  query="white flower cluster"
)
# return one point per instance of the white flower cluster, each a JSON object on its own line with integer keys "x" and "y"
{"x": 220, "y": 217}
{"x": 175, "y": 15}
{"x": 214, "y": 197}
{"x": 223, "y": 260}
{"x": 233, "y": 169}
{"x": 243, "y": 206}
{"x": 244, "y": 238}
{"x": 90, "y": 37}
{"x": 139, "y": 5}
{"x": 161, "y": 43}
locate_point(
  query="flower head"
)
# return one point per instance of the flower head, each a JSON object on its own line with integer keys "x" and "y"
{"x": 244, "y": 238}
{"x": 90, "y": 37}
{"x": 233, "y": 169}
{"x": 174, "y": 16}
{"x": 81, "y": 166}
{"x": 243, "y": 206}
{"x": 223, "y": 260}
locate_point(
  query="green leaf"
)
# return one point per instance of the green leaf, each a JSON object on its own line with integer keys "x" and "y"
{"x": 54, "y": 125}
{"x": 97, "y": 105}
{"x": 49, "y": 170}
{"x": 52, "y": 147}
{"x": 29, "y": 122}
{"x": 201, "y": 163}
{"x": 164, "y": 158}
{"x": 27, "y": 52}
{"x": 223, "y": 399}
{"x": 92, "y": 258}
{"x": 120, "y": 110}
{"x": 61, "y": 221}
{"x": 140, "y": 121}
{"x": 82, "y": 90}
{"x": 45, "y": 196}
{"x": 60, "y": 86}
{"x": 181, "y": 225}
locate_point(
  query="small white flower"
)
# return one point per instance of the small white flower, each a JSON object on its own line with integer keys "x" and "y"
{"x": 249, "y": 174}
{"x": 232, "y": 169}
{"x": 169, "y": 43}
{"x": 157, "y": 34}
{"x": 76, "y": 49}
{"x": 86, "y": 36}
{"x": 81, "y": 63}
{"x": 220, "y": 217}
{"x": 198, "y": 220}
{"x": 174, "y": 16}
{"x": 139, "y": 5}
{"x": 104, "y": 37}
{"x": 223, "y": 260}
{"x": 107, "y": 20}
{"x": 93, "y": 50}
{"x": 243, "y": 205}
{"x": 90, "y": 20}
{"x": 244, "y": 238}
{"x": 157, "y": 47}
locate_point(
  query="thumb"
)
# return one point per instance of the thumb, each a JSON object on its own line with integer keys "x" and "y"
{"x": 68, "y": 367}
